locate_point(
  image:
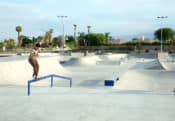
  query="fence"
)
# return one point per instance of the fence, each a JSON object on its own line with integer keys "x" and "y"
{"x": 45, "y": 77}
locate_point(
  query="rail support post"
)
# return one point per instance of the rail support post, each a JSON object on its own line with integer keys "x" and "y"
{"x": 51, "y": 81}
{"x": 28, "y": 88}
{"x": 70, "y": 83}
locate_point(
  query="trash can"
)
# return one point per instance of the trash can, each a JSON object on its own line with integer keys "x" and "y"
{"x": 109, "y": 83}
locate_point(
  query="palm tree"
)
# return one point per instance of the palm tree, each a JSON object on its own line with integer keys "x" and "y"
{"x": 88, "y": 29}
{"x": 50, "y": 34}
{"x": 46, "y": 38}
{"x": 19, "y": 29}
{"x": 39, "y": 39}
{"x": 75, "y": 28}
{"x": 107, "y": 36}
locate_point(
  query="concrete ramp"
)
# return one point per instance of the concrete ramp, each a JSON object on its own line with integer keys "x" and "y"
{"x": 147, "y": 64}
{"x": 166, "y": 61}
{"x": 150, "y": 80}
{"x": 19, "y": 71}
{"x": 113, "y": 57}
{"x": 82, "y": 61}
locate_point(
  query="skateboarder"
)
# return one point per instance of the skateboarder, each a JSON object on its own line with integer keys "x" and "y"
{"x": 33, "y": 59}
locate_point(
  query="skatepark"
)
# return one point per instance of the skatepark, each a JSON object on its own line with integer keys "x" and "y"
{"x": 144, "y": 90}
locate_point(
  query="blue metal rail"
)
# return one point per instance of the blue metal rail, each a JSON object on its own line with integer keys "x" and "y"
{"x": 45, "y": 77}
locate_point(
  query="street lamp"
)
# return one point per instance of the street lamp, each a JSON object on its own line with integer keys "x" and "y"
{"x": 162, "y": 17}
{"x": 63, "y": 39}
{"x": 75, "y": 28}
{"x": 88, "y": 27}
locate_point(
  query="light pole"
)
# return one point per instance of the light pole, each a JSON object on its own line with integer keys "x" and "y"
{"x": 63, "y": 39}
{"x": 161, "y": 17}
{"x": 88, "y": 27}
{"x": 75, "y": 28}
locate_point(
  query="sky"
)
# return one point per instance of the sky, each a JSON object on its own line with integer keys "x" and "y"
{"x": 124, "y": 19}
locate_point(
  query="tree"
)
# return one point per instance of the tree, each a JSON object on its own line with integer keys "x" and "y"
{"x": 95, "y": 39}
{"x": 60, "y": 41}
{"x": 81, "y": 39}
{"x": 167, "y": 34}
{"x": 47, "y": 37}
{"x": 107, "y": 36}
{"x": 88, "y": 27}
{"x": 71, "y": 43}
{"x": 109, "y": 40}
{"x": 135, "y": 39}
{"x": 50, "y": 33}
{"x": 139, "y": 46}
{"x": 39, "y": 38}
{"x": 1, "y": 45}
{"x": 19, "y": 29}
{"x": 10, "y": 44}
{"x": 70, "y": 39}
{"x": 25, "y": 41}
{"x": 55, "y": 41}
{"x": 34, "y": 40}
{"x": 92, "y": 39}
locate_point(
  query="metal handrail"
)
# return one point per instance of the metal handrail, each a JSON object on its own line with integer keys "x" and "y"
{"x": 45, "y": 77}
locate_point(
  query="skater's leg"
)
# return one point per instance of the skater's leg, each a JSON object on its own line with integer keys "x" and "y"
{"x": 33, "y": 65}
{"x": 37, "y": 68}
